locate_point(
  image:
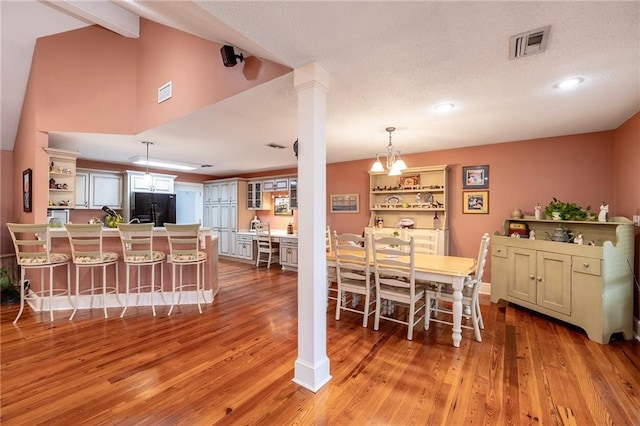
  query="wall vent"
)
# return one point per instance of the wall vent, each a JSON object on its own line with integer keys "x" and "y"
{"x": 529, "y": 43}
{"x": 164, "y": 92}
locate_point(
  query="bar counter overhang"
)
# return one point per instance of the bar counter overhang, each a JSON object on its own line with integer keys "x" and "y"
{"x": 112, "y": 243}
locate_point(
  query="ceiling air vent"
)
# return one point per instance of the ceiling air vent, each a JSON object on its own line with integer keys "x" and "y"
{"x": 529, "y": 43}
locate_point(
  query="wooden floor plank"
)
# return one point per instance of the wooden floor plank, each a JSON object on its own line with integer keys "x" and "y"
{"x": 234, "y": 365}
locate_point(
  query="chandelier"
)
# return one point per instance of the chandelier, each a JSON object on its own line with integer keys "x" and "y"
{"x": 395, "y": 165}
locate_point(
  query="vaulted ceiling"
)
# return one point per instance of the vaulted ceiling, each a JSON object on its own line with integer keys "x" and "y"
{"x": 390, "y": 63}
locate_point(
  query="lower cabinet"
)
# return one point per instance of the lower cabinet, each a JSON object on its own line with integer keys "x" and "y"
{"x": 540, "y": 277}
{"x": 590, "y": 286}
{"x": 244, "y": 247}
{"x": 289, "y": 253}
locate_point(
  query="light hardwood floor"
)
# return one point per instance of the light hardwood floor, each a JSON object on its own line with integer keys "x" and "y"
{"x": 234, "y": 364}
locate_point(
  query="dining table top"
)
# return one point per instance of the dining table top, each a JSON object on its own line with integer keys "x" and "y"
{"x": 434, "y": 264}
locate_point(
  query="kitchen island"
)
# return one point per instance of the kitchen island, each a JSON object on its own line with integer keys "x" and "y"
{"x": 111, "y": 242}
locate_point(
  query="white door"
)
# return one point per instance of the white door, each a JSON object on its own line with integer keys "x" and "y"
{"x": 189, "y": 202}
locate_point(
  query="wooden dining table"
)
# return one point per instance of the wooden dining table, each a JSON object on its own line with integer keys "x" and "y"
{"x": 449, "y": 270}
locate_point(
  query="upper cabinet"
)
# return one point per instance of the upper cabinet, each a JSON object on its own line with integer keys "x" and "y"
{"x": 293, "y": 193}
{"x": 418, "y": 198}
{"x": 275, "y": 184}
{"x": 159, "y": 183}
{"x": 98, "y": 188}
{"x": 62, "y": 178}
{"x": 254, "y": 195}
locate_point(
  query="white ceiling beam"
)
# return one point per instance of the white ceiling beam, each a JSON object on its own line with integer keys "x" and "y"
{"x": 103, "y": 13}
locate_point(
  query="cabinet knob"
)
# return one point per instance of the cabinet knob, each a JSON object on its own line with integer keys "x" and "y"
{"x": 539, "y": 279}
{"x": 586, "y": 265}
{"x": 531, "y": 277}
{"x": 499, "y": 250}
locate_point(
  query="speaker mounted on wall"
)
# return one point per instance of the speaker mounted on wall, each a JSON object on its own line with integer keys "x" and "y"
{"x": 229, "y": 56}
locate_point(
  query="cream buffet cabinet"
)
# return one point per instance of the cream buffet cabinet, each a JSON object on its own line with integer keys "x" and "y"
{"x": 589, "y": 285}
{"x": 289, "y": 253}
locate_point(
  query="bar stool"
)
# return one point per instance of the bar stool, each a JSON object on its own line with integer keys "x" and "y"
{"x": 137, "y": 249}
{"x": 32, "y": 243}
{"x": 184, "y": 247}
{"x": 87, "y": 252}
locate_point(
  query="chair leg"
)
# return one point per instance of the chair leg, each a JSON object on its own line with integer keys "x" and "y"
{"x": 427, "y": 307}
{"x": 376, "y": 322}
{"x": 412, "y": 309}
{"x": 75, "y": 308}
{"x": 126, "y": 291}
{"x": 51, "y": 293}
{"x": 173, "y": 286}
{"x": 15, "y": 321}
{"x": 198, "y": 287}
{"x": 338, "y": 300}
{"x": 365, "y": 320}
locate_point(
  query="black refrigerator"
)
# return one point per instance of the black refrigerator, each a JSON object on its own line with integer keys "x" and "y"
{"x": 152, "y": 207}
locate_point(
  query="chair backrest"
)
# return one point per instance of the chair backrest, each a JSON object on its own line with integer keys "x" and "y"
{"x": 184, "y": 244}
{"x": 137, "y": 240}
{"x": 427, "y": 243}
{"x": 86, "y": 242}
{"x": 32, "y": 243}
{"x": 328, "y": 239}
{"x": 394, "y": 262}
{"x": 352, "y": 257}
{"x": 263, "y": 236}
{"x": 482, "y": 257}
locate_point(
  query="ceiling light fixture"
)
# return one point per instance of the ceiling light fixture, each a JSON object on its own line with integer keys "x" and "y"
{"x": 161, "y": 164}
{"x": 570, "y": 83}
{"x": 395, "y": 164}
{"x": 444, "y": 107}
{"x": 147, "y": 176}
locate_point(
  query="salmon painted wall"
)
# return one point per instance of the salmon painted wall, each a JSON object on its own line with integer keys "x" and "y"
{"x": 86, "y": 81}
{"x": 626, "y": 157}
{"x": 577, "y": 168}
{"x": 7, "y": 186}
{"x": 195, "y": 68}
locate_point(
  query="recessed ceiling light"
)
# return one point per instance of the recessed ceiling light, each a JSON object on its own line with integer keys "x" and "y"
{"x": 569, "y": 83}
{"x": 444, "y": 107}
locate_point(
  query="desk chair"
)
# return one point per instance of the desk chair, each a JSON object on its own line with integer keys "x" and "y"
{"x": 394, "y": 268}
{"x": 32, "y": 244}
{"x": 87, "y": 252}
{"x": 470, "y": 299}
{"x": 265, "y": 245}
{"x": 354, "y": 274}
{"x": 137, "y": 250}
{"x": 184, "y": 246}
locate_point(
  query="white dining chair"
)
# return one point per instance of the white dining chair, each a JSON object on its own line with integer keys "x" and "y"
{"x": 394, "y": 270}
{"x": 353, "y": 273}
{"x": 470, "y": 297}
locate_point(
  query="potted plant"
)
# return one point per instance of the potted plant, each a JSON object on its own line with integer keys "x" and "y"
{"x": 9, "y": 294}
{"x": 559, "y": 210}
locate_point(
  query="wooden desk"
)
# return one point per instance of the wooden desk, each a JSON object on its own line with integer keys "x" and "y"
{"x": 443, "y": 269}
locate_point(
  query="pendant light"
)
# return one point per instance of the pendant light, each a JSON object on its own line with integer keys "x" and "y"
{"x": 395, "y": 165}
{"x": 148, "y": 180}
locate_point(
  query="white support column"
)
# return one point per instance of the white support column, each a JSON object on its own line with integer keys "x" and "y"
{"x": 312, "y": 366}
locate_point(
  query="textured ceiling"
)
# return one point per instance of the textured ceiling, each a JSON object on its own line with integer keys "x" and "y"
{"x": 390, "y": 64}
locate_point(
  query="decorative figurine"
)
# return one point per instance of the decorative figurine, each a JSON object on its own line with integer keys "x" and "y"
{"x": 578, "y": 239}
{"x": 604, "y": 210}
{"x": 538, "y": 211}
{"x": 532, "y": 234}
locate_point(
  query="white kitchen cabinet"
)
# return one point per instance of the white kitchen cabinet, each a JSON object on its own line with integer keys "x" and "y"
{"x": 245, "y": 247}
{"x": 82, "y": 190}
{"x": 159, "y": 183}
{"x": 254, "y": 195}
{"x": 281, "y": 184}
{"x": 289, "y": 253}
{"x": 268, "y": 185}
{"x": 62, "y": 178}
{"x": 98, "y": 188}
{"x": 225, "y": 209}
{"x": 293, "y": 193}
{"x": 105, "y": 189}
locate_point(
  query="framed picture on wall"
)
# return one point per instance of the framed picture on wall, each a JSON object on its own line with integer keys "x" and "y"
{"x": 345, "y": 203}
{"x": 475, "y": 202}
{"x": 475, "y": 177}
{"x": 26, "y": 191}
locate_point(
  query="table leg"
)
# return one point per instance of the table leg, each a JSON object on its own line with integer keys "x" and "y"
{"x": 457, "y": 311}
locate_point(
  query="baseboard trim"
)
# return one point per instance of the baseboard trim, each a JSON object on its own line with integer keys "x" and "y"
{"x": 485, "y": 288}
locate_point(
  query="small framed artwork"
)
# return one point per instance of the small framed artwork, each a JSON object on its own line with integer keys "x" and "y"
{"x": 475, "y": 177}
{"x": 410, "y": 181}
{"x": 475, "y": 202}
{"x": 345, "y": 203}
{"x": 281, "y": 206}
{"x": 26, "y": 191}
